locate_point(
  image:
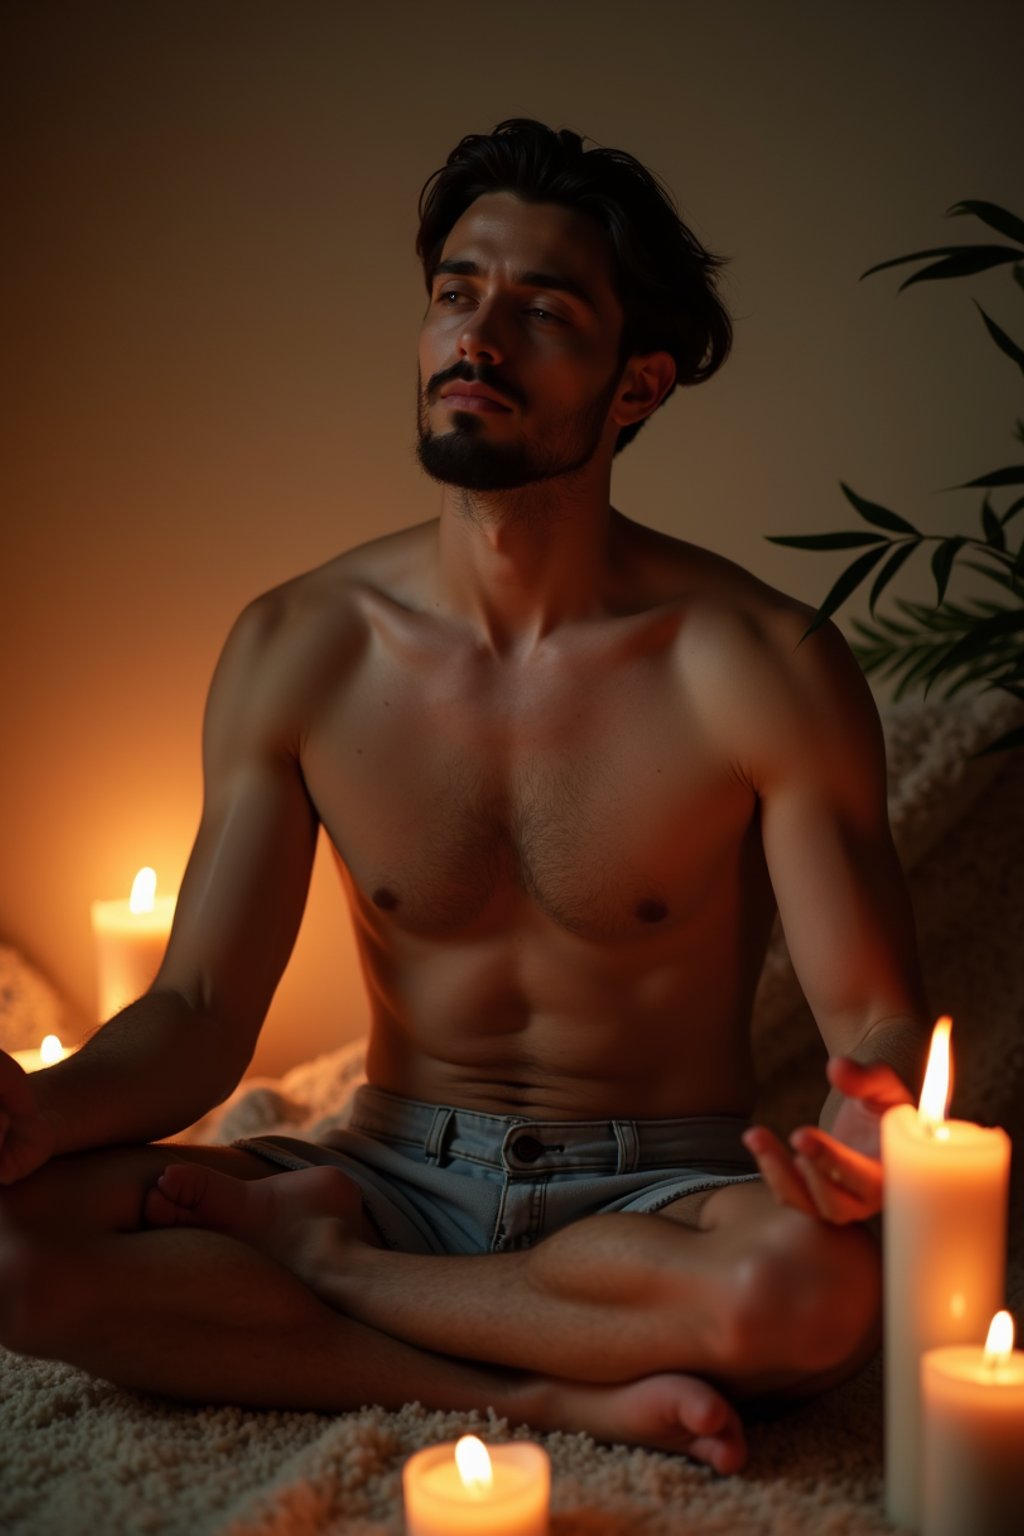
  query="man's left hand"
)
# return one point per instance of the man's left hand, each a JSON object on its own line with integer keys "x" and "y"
{"x": 837, "y": 1177}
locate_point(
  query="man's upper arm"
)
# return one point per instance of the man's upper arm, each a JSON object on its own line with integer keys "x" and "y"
{"x": 817, "y": 762}
{"x": 245, "y": 887}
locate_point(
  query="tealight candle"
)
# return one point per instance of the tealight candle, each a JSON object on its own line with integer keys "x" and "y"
{"x": 130, "y": 938}
{"x": 944, "y": 1241}
{"x": 45, "y": 1055}
{"x": 462, "y": 1490}
{"x": 974, "y": 1436}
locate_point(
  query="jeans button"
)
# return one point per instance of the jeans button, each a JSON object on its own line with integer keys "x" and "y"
{"x": 527, "y": 1148}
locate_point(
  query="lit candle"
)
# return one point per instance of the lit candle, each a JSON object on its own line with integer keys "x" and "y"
{"x": 461, "y": 1490}
{"x": 944, "y": 1242}
{"x": 130, "y": 938}
{"x": 974, "y": 1436}
{"x": 45, "y": 1055}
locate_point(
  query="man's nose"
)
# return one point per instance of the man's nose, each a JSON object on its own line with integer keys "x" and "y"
{"x": 480, "y": 336}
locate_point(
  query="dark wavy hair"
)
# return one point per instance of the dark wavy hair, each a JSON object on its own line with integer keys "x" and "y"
{"x": 663, "y": 277}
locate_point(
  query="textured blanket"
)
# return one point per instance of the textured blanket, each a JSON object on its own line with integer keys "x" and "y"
{"x": 78, "y": 1455}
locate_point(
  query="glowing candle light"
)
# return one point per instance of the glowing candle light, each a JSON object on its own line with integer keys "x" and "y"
{"x": 974, "y": 1436}
{"x": 466, "y": 1490}
{"x": 130, "y": 938}
{"x": 44, "y": 1055}
{"x": 944, "y": 1241}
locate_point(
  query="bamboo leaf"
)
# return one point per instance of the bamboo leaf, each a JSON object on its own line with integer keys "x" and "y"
{"x": 871, "y": 512}
{"x": 994, "y": 573}
{"x": 850, "y": 579}
{"x": 1012, "y": 475}
{"x": 1008, "y": 622}
{"x": 1005, "y": 743}
{"x": 1019, "y": 429}
{"x": 1018, "y": 273}
{"x": 992, "y": 526}
{"x": 959, "y": 261}
{"x": 991, "y": 214}
{"x": 852, "y": 540}
{"x": 964, "y": 258}
{"x": 1015, "y": 508}
{"x": 888, "y": 571}
{"x": 1003, "y": 342}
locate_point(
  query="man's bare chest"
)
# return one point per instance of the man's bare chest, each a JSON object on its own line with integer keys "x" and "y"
{"x": 595, "y": 803}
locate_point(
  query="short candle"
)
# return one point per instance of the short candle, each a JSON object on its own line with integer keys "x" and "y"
{"x": 130, "y": 938}
{"x": 974, "y": 1436}
{"x": 506, "y": 1492}
{"x": 944, "y": 1241}
{"x": 45, "y": 1055}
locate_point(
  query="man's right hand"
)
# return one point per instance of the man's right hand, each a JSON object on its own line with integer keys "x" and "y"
{"x": 27, "y": 1139}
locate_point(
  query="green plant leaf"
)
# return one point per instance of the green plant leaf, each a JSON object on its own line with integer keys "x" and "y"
{"x": 998, "y": 574}
{"x": 1018, "y": 273}
{"x": 991, "y": 214}
{"x": 1014, "y": 509}
{"x": 1019, "y": 429}
{"x": 942, "y": 562}
{"x": 1003, "y": 342}
{"x": 871, "y": 512}
{"x": 847, "y": 582}
{"x": 1005, "y": 743}
{"x": 901, "y": 553}
{"x": 999, "y": 626}
{"x": 825, "y": 540}
{"x": 992, "y": 526}
{"x": 1013, "y": 475}
{"x": 959, "y": 261}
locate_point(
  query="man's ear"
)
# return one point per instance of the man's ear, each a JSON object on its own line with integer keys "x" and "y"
{"x": 647, "y": 380}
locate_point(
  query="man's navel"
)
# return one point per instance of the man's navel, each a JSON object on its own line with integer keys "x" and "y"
{"x": 651, "y": 910}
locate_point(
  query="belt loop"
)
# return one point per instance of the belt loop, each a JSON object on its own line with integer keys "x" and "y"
{"x": 434, "y": 1144}
{"x": 629, "y": 1145}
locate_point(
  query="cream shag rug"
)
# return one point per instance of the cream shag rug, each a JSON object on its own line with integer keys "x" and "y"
{"x": 79, "y": 1455}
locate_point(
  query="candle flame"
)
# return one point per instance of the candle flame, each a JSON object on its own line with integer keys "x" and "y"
{"x": 936, "y": 1092}
{"x": 51, "y": 1050}
{"x": 143, "y": 896}
{"x": 999, "y": 1343}
{"x": 474, "y": 1465}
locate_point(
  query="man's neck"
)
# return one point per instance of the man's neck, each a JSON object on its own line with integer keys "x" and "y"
{"x": 518, "y": 564}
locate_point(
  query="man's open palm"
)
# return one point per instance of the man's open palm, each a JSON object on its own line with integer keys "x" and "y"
{"x": 836, "y": 1177}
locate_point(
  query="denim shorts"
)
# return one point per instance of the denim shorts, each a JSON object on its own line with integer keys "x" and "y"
{"x": 453, "y": 1181}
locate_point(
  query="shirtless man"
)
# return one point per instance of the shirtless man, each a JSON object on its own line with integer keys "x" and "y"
{"x": 568, "y": 766}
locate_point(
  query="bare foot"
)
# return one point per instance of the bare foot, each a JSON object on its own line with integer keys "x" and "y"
{"x": 669, "y": 1412}
{"x": 295, "y": 1218}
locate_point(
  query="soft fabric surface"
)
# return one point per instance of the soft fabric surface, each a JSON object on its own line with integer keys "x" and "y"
{"x": 77, "y": 1454}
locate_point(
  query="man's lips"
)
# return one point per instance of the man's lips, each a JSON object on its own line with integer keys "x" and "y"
{"x": 473, "y": 403}
{"x": 473, "y": 397}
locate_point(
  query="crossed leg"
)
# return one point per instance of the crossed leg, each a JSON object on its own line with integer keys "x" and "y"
{"x": 201, "y": 1316}
{"x": 761, "y": 1299}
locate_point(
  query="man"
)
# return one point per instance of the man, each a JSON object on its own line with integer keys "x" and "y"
{"x": 568, "y": 767}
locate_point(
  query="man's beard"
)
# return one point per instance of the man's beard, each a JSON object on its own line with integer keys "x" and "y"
{"x": 466, "y": 456}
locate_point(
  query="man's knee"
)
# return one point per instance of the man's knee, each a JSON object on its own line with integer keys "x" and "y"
{"x": 805, "y": 1298}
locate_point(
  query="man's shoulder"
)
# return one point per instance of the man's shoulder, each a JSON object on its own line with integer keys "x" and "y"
{"x": 717, "y": 594}
{"x": 330, "y": 603}
{"x": 767, "y": 683}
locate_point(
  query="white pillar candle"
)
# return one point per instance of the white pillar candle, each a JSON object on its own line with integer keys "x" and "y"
{"x": 130, "y": 938}
{"x": 944, "y": 1243}
{"x": 974, "y": 1437}
{"x": 44, "y": 1055}
{"x": 462, "y": 1490}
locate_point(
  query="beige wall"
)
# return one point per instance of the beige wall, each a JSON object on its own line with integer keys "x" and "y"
{"x": 213, "y": 304}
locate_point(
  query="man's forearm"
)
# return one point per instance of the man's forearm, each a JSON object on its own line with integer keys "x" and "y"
{"x": 151, "y": 1071}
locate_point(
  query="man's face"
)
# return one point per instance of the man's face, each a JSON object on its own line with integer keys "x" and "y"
{"x": 501, "y": 318}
